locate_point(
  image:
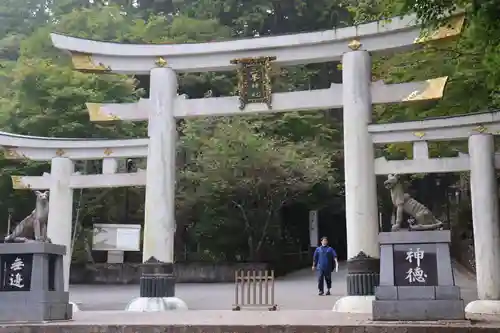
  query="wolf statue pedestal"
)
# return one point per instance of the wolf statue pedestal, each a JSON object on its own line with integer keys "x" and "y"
{"x": 32, "y": 283}
{"x": 416, "y": 278}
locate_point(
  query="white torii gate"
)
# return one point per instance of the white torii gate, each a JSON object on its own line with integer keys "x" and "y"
{"x": 355, "y": 95}
{"x": 482, "y": 160}
{"x": 419, "y": 133}
{"x": 62, "y": 179}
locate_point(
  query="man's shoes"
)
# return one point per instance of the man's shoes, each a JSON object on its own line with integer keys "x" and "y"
{"x": 328, "y": 293}
{"x": 320, "y": 293}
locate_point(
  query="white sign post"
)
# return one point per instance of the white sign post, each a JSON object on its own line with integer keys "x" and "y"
{"x": 116, "y": 239}
{"x": 313, "y": 228}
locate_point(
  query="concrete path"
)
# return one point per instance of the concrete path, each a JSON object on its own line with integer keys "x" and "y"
{"x": 296, "y": 291}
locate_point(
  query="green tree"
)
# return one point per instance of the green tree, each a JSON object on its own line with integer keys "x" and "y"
{"x": 45, "y": 96}
{"x": 238, "y": 172}
{"x": 243, "y": 178}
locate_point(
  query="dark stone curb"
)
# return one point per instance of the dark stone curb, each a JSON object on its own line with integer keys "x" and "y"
{"x": 365, "y": 328}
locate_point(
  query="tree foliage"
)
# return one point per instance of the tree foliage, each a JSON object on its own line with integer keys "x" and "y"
{"x": 250, "y": 177}
{"x": 235, "y": 174}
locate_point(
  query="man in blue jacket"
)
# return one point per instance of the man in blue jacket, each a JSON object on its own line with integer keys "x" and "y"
{"x": 325, "y": 261}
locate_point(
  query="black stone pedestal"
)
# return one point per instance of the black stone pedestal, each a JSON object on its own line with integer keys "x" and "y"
{"x": 32, "y": 283}
{"x": 157, "y": 279}
{"x": 417, "y": 281}
{"x": 362, "y": 275}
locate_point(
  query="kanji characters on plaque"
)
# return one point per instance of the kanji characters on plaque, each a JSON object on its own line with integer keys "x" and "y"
{"x": 415, "y": 274}
{"x": 415, "y": 265}
{"x": 15, "y": 277}
{"x": 16, "y": 272}
{"x": 254, "y": 80}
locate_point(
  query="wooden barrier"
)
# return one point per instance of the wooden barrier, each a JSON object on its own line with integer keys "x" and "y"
{"x": 254, "y": 289}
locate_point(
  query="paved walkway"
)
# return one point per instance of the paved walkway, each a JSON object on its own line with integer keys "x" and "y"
{"x": 296, "y": 291}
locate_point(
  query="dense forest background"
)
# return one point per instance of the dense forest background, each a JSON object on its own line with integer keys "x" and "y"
{"x": 244, "y": 183}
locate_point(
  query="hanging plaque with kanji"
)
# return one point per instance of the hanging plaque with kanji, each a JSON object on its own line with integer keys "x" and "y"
{"x": 254, "y": 80}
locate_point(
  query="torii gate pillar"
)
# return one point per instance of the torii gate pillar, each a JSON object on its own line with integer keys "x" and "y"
{"x": 60, "y": 221}
{"x": 157, "y": 285}
{"x": 363, "y": 264}
{"x": 485, "y": 219}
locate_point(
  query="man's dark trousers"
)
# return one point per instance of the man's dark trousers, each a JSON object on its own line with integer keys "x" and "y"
{"x": 324, "y": 275}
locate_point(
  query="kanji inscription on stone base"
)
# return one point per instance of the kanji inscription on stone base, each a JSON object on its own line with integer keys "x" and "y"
{"x": 16, "y": 272}
{"x": 415, "y": 265}
{"x": 416, "y": 278}
{"x": 32, "y": 284}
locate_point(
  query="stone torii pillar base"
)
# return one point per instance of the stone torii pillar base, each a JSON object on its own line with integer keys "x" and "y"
{"x": 354, "y": 304}
{"x": 156, "y": 304}
{"x": 362, "y": 278}
{"x": 157, "y": 289}
{"x": 483, "y": 310}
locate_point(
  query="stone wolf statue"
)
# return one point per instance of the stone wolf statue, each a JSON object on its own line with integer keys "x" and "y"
{"x": 34, "y": 226}
{"x": 404, "y": 203}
